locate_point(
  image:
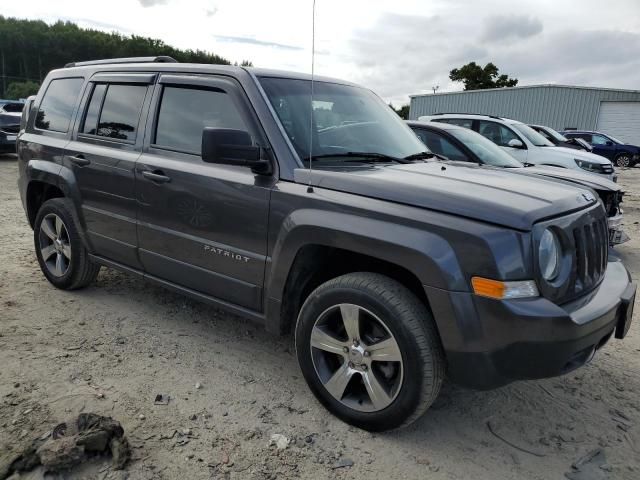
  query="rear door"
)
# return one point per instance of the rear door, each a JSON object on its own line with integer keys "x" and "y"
{"x": 106, "y": 143}
{"x": 202, "y": 226}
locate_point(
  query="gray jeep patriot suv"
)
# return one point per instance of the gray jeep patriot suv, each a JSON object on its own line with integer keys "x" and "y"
{"x": 322, "y": 215}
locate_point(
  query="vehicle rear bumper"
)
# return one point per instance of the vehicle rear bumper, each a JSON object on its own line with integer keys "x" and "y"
{"x": 489, "y": 343}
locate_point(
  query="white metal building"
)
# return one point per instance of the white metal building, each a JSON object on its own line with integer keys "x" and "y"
{"x": 613, "y": 111}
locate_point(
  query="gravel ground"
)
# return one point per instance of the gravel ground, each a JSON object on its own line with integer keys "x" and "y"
{"x": 111, "y": 348}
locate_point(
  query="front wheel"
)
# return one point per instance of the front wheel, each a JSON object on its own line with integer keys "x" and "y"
{"x": 369, "y": 351}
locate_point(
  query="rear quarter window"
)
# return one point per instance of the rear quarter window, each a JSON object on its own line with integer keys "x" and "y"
{"x": 56, "y": 108}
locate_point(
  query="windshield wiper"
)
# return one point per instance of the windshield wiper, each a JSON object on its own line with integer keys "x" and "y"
{"x": 425, "y": 155}
{"x": 370, "y": 156}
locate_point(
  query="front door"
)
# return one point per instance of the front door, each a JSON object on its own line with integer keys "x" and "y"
{"x": 603, "y": 146}
{"x": 102, "y": 154}
{"x": 202, "y": 226}
{"x": 501, "y": 135}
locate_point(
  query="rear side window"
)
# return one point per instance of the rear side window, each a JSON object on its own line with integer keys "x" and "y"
{"x": 57, "y": 105}
{"x": 121, "y": 112}
{"x": 185, "y": 112}
{"x": 91, "y": 120}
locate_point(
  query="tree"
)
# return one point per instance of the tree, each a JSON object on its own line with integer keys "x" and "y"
{"x": 30, "y": 48}
{"x": 476, "y": 77}
{"x": 18, "y": 90}
{"x": 403, "y": 111}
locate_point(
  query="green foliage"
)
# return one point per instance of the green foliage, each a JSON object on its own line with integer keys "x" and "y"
{"x": 18, "y": 90}
{"x": 31, "y": 48}
{"x": 403, "y": 111}
{"x": 476, "y": 77}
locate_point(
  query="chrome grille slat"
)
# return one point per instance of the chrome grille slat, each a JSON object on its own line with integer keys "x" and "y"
{"x": 591, "y": 243}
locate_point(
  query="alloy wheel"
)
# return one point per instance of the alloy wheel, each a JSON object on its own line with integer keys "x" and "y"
{"x": 55, "y": 246}
{"x": 356, "y": 357}
{"x": 623, "y": 161}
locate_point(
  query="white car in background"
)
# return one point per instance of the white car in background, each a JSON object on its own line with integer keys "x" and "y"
{"x": 525, "y": 144}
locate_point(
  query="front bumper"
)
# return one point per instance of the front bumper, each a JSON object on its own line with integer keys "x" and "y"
{"x": 489, "y": 343}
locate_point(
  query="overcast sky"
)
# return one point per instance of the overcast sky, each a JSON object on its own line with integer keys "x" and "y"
{"x": 397, "y": 48}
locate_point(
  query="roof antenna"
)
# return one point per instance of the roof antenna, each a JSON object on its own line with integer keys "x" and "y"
{"x": 313, "y": 53}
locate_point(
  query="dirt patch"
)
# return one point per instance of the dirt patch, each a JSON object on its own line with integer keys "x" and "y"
{"x": 112, "y": 348}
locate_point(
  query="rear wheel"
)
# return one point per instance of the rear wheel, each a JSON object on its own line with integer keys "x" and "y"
{"x": 623, "y": 160}
{"x": 369, "y": 351}
{"x": 61, "y": 254}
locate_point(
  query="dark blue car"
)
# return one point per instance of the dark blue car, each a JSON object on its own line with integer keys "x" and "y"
{"x": 620, "y": 153}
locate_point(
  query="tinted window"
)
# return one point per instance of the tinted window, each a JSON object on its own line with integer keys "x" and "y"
{"x": 13, "y": 107}
{"x": 599, "y": 140}
{"x": 91, "y": 119}
{"x": 57, "y": 105}
{"x": 442, "y": 146}
{"x": 121, "y": 111}
{"x": 184, "y": 112}
{"x": 584, "y": 136}
{"x": 488, "y": 152}
{"x": 497, "y": 133}
{"x": 461, "y": 122}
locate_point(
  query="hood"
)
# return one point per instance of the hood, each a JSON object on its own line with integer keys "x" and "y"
{"x": 493, "y": 196}
{"x": 579, "y": 154}
{"x": 596, "y": 182}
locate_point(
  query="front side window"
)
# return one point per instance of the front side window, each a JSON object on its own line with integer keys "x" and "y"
{"x": 602, "y": 140}
{"x": 185, "y": 112}
{"x": 57, "y": 105}
{"x": 341, "y": 120}
{"x": 496, "y": 132}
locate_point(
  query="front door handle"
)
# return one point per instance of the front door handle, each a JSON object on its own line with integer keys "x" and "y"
{"x": 80, "y": 160}
{"x": 157, "y": 176}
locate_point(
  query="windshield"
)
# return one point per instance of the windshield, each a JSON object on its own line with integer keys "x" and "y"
{"x": 531, "y": 135}
{"x": 488, "y": 152}
{"x": 615, "y": 140}
{"x": 345, "y": 119}
{"x": 553, "y": 133}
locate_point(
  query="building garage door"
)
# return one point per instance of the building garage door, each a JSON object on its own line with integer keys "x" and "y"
{"x": 620, "y": 119}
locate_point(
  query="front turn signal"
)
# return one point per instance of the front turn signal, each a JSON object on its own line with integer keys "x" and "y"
{"x": 499, "y": 290}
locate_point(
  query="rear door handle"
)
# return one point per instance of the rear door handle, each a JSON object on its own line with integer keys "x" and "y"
{"x": 80, "y": 160}
{"x": 157, "y": 176}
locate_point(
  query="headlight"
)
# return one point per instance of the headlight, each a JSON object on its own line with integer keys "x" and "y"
{"x": 588, "y": 166}
{"x": 549, "y": 255}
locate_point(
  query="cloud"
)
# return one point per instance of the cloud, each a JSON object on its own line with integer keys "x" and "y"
{"x": 253, "y": 41}
{"x": 152, "y": 3}
{"x": 604, "y": 58}
{"x": 508, "y": 27}
{"x": 399, "y": 55}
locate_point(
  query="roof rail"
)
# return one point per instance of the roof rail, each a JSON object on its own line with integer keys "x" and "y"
{"x": 468, "y": 113}
{"x": 107, "y": 61}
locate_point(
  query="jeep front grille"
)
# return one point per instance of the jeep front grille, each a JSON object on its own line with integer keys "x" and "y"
{"x": 591, "y": 254}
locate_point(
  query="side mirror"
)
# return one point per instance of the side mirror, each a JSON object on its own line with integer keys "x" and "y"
{"x": 232, "y": 147}
{"x": 609, "y": 143}
{"x": 515, "y": 143}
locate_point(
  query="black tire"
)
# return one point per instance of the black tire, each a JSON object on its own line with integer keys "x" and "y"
{"x": 623, "y": 160}
{"x": 79, "y": 271}
{"x": 408, "y": 321}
